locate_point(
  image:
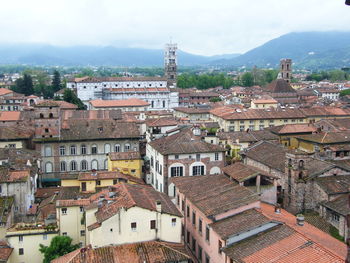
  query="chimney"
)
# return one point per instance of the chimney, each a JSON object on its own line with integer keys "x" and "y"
{"x": 159, "y": 206}
{"x": 277, "y": 208}
{"x": 300, "y": 219}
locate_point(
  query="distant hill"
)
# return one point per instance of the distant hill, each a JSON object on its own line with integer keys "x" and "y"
{"x": 310, "y": 50}
{"x": 47, "y": 55}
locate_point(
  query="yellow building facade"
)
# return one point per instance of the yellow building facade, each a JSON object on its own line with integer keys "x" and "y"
{"x": 129, "y": 163}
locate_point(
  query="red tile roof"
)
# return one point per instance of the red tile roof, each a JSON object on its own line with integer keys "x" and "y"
{"x": 133, "y": 102}
{"x": 4, "y": 91}
{"x": 10, "y": 116}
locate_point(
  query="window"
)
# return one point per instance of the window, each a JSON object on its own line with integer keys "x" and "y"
{"x": 12, "y": 145}
{"x": 84, "y": 165}
{"x": 48, "y": 167}
{"x": 117, "y": 148}
{"x": 173, "y": 221}
{"x": 176, "y": 156}
{"x": 73, "y": 150}
{"x": 105, "y": 165}
{"x": 94, "y": 165}
{"x": 285, "y": 120}
{"x": 20, "y": 238}
{"x": 153, "y": 224}
{"x": 241, "y": 128}
{"x": 21, "y": 251}
{"x": 188, "y": 211}
{"x": 64, "y": 210}
{"x": 200, "y": 252}
{"x": 194, "y": 218}
{"x": 64, "y": 233}
{"x": 133, "y": 226}
{"x": 188, "y": 237}
{"x": 335, "y": 217}
{"x": 127, "y": 147}
{"x": 219, "y": 247}
{"x": 45, "y": 237}
{"x": 198, "y": 157}
{"x": 193, "y": 245}
{"x": 73, "y": 165}
{"x": 176, "y": 171}
{"x": 183, "y": 205}
{"x": 62, "y": 150}
{"x": 163, "y": 103}
{"x": 198, "y": 170}
{"x": 107, "y": 148}
{"x": 94, "y": 149}
{"x": 48, "y": 151}
{"x": 216, "y": 156}
{"x": 63, "y": 166}
{"x": 81, "y": 209}
{"x": 98, "y": 182}
{"x": 207, "y": 233}
{"x": 83, "y": 186}
{"x": 83, "y": 149}
{"x": 200, "y": 223}
{"x": 46, "y": 130}
{"x": 134, "y": 171}
{"x": 82, "y": 233}
{"x": 207, "y": 258}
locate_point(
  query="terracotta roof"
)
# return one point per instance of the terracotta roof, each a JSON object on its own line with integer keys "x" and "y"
{"x": 326, "y": 137}
{"x": 280, "y": 86}
{"x": 337, "y": 124}
{"x": 242, "y": 172}
{"x": 115, "y": 114}
{"x": 250, "y": 136}
{"x": 325, "y": 111}
{"x": 124, "y": 156}
{"x": 69, "y": 203}
{"x": 214, "y": 194}
{"x": 10, "y": 115}
{"x": 16, "y": 132}
{"x": 339, "y": 184}
{"x": 132, "y": 102}
{"x": 183, "y": 142}
{"x": 330, "y": 244}
{"x": 264, "y": 101}
{"x": 115, "y": 79}
{"x": 293, "y": 128}
{"x": 5, "y": 251}
{"x": 339, "y": 205}
{"x": 267, "y": 153}
{"x": 100, "y": 175}
{"x": 190, "y": 110}
{"x": 145, "y": 252}
{"x": 46, "y": 192}
{"x": 161, "y": 122}
{"x": 10, "y": 176}
{"x": 128, "y": 196}
{"x": 4, "y": 91}
{"x": 239, "y": 223}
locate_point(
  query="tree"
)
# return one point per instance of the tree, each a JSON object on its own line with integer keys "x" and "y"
{"x": 69, "y": 96}
{"x": 344, "y": 92}
{"x": 59, "y": 246}
{"x": 247, "y": 79}
{"x": 215, "y": 99}
{"x": 56, "y": 81}
{"x": 24, "y": 85}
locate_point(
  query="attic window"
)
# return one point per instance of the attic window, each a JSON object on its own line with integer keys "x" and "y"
{"x": 100, "y": 129}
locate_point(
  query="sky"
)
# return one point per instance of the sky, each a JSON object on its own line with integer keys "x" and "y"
{"x": 204, "y": 27}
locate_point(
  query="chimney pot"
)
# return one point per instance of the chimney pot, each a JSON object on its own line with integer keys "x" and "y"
{"x": 300, "y": 220}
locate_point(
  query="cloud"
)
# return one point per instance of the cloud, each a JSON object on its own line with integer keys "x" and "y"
{"x": 201, "y": 27}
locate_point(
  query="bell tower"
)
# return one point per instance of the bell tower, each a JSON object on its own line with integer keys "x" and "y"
{"x": 286, "y": 69}
{"x": 170, "y": 63}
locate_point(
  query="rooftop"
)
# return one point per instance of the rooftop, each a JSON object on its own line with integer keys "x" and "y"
{"x": 114, "y": 156}
{"x": 132, "y": 102}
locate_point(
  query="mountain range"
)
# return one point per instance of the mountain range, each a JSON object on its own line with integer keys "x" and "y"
{"x": 309, "y": 50}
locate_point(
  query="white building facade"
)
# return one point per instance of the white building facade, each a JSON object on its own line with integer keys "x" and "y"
{"x": 155, "y": 91}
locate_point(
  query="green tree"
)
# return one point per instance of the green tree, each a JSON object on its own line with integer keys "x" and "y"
{"x": 24, "y": 85}
{"x": 56, "y": 81}
{"x": 344, "y": 92}
{"x": 247, "y": 79}
{"x": 59, "y": 246}
{"x": 215, "y": 99}
{"x": 71, "y": 97}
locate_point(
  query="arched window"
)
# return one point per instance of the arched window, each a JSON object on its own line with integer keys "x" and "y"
{"x": 73, "y": 165}
{"x": 126, "y": 147}
{"x": 105, "y": 164}
{"x": 41, "y": 116}
{"x": 301, "y": 175}
{"x": 117, "y": 148}
{"x": 63, "y": 166}
{"x": 48, "y": 167}
{"x": 94, "y": 149}
{"x": 107, "y": 148}
{"x": 62, "y": 150}
{"x": 83, "y": 149}
{"x": 73, "y": 150}
{"x": 48, "y": 151}
{"x": 51, "y": 115}
{"x": 301, "y": 164}
{"x": 84, "y": 165}
{"x": 94, "y": 165}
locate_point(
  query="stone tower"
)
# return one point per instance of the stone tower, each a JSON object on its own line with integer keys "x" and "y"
{"x": 170, "y": 63}
{"x": 286, "y": 69}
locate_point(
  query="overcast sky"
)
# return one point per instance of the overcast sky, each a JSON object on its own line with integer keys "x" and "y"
{"x": 205, "y": 27}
